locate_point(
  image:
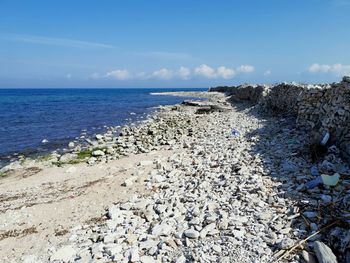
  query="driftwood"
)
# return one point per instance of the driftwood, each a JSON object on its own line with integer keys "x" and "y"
{"x": 285, "y": 253}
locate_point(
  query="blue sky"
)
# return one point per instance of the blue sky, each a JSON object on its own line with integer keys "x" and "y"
{"x": 183, "y": 43}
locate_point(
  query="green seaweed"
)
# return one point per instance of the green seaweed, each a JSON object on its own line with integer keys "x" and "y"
{"x": 46, "y": 157}
{"x": 75, "y": 161}
{"x": 4, "y": 174}
{"x": 84, "y": 154}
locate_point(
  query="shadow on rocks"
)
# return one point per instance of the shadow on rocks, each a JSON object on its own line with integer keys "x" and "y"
{"x": 317, "y": 214}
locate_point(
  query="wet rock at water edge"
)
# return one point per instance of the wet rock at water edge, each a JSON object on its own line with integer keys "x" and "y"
{"x": 98, "y": 153}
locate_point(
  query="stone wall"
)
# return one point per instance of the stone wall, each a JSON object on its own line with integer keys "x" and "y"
{"x": 283, "y": 98}
{"x": 253, "y": 93}
{"x": 320, "y": 108}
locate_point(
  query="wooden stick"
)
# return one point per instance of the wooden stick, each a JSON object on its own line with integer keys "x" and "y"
{"x": 285, "y": 254}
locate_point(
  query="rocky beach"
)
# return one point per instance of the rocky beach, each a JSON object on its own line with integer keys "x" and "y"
{"x": 250, "y": 173}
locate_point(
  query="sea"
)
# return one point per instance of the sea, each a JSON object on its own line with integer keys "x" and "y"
{"x": 37, "y": 121}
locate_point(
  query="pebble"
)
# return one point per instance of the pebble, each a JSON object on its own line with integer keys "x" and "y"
{"x": 310, "y": 214}
{"x": 98, "y": 153}
{"x": 216, "y": 248}
{"x": 191, "y": 233}
{"x": 161, "y": 230}
{"x": 65, "y": 158}
{"x": 147, "y": 259}
{"x": 145, "y": 163}
{"x": 99, "y": 136}
{"x": 181, "y": 259}
{"x": 128, "y": 182}
{"x": 31, "y": 259}
{"x": 134, "y": 255}
{"x": 308, "y": 257}
{"x": 324, "y": 253}
{"x": 64, "y": 254}
{"x": 326, "y": 198}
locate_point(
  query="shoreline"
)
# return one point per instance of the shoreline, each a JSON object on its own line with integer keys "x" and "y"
{"x": 63, "y": 147}
{"x": 47, "y": 168}
{"x": 51, "y": 133}
{"x": 198, "y": 181}
{"x": 82, "y": 140}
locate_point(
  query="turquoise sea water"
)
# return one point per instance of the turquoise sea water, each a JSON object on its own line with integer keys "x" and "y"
{"x": 28, "y": 116}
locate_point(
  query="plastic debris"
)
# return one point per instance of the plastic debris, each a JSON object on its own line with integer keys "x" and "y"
{"x": 315, "y": 182}
{"x": 330, "y": 180}
{"x": 235, "y": 132}
{"x": 325, "y": 139}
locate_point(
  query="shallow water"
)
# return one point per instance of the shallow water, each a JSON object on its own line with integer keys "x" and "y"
{"x": 59, "y": 115}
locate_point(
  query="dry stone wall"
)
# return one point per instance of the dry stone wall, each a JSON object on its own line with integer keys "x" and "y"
{"x": 253, "y": 93}
{"x": 320, "y": 108}
{"x": 283, "y": 98}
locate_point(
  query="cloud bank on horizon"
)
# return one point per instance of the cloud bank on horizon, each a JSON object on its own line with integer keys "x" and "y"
{"x": 206, "y": 72}
{"x": 336, "y": 69}
{"x": 184, "y": 73}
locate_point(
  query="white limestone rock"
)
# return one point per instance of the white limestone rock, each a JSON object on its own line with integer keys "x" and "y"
{"x": 64, "y": 254}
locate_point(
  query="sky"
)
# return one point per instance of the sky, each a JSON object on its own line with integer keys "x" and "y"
{"x": 170, "y": 44}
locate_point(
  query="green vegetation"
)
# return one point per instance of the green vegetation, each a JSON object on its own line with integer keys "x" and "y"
{"x": 81, "y": 157}
{"x": 75, "y": 161}
{"x": 44, "y": 157}
{"x": 84, "y": 154}
{"x": 3, "y": 175}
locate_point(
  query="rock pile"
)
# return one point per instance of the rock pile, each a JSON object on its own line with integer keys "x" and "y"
{"x": 327, "y": 109}
{"x": 155, "y": 133}
{"x": 211, "y": 203}
{"x": 320, "y": 108}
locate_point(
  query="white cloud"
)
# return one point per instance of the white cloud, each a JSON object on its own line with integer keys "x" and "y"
{"x": 205, "y": 71}
{"x": 337, "y": 69}
{"x": 245, "y": 69}
{"x": 225, "y": 73}
{"x": 267, "y": 73}
{"x": 119, "y": 74}
{"x": 222, "y": 71}
{"x": 163, "y": 73}
{"x": 53, "y": 41}
{"x": 184, "y": 73}
{"x": 319, "y": 68}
